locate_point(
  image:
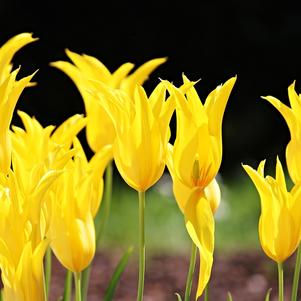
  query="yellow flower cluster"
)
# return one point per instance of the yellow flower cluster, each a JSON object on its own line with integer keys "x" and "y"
{"x": 52, "y": 192}
{"x": 280, "y": 220}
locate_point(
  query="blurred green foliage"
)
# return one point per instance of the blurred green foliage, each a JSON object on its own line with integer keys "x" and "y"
{"x": 236, "y": 219}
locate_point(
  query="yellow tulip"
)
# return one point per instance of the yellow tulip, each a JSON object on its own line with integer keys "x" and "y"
{"x": 197, "y": 151}
{"x": 85, "y": 72}
{"x": 292, "y": 116}
{"x": 142, "y": 133}
{"x": 22, "y": 239}
{"x": 54, "y": 151}
{"x": 193, "y": 163}
{"x": 195, "y": 204}
{"x": 280, "y": 219}
{"x": 75, "y": 200}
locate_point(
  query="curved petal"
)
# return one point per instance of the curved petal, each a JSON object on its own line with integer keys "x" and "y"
{"x": 200, "y": 226}
{"x": 140, "y": 75}
{"x": 8, "y": 50}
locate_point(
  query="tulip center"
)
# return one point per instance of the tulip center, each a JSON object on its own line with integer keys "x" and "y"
{"x": 196, "y": 171}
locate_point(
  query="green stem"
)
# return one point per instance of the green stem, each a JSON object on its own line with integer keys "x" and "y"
{"x": 206, "y": 297}
{"x": 296, "y": 275}
{"x": 77, "y": 282}
{"x": 190, "y": 272}
{"x": 85, "y": 282}
{"x": 141, "y": 246}
{"x": 100, "y": 222}
{"x": 68, "y": 286}
{"x": 47, "y": 271}
{"x": 280, "y": 282}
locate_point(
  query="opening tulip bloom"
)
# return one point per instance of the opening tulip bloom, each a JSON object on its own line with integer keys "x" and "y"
{"x": 142, "y": 133}
{"x": 197, "y": 151}
{"x": 86, "y": 70}
{"x": 292, "y": 116}
{"x": 193, "y": 163}
{"x": 198, "y": 206}
{"x": 75, "y": 199}
{"x": 280, "y": 219}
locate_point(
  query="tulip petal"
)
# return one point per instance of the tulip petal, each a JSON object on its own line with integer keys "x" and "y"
{"x": 200, "y": 226}
{"x": 8, "y": 50}
{"x": 215, "y": 106}
{"x": 141, "y": 75}
{"x": 285, "y": 111}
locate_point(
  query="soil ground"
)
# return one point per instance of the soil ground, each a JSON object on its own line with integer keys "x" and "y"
{"x": 247, "y": 275}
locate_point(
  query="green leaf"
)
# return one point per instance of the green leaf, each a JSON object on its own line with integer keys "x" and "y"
{"x": 110, "y": 291}
{"x": 267, "y": 297}
{"x": 178, "y": 296}
{"x": 229, "y": 297}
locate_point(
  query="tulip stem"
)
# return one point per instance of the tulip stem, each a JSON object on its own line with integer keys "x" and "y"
{"x": 100, "y": 222}
{"x": 47, "y": 271}
{"x": 141, "y": 246}
{"x": 68, "y": 286}
{"x": 190, "y": 272}
{"x": 206, "y": 297}
{"x": 280, "y": 282}
{"x": 296, "y": 275}
{"x": 77, "y": 282}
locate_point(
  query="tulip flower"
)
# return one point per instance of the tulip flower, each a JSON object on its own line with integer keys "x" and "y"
{"x": 85, "y": 71}
{"x": 74, "y": 199}
{"x": 292, "y": 116}
{"x": 280, "y": 219}
{"x": 142, "y": 133}
{"x": 193, "y": 163}
{"x": 22, "y": 239}
{"x": 198, "y": 206}
{"x": 293, "y": 157}
{"x": 197, "y": 151}
{"x": 54, "y": 148}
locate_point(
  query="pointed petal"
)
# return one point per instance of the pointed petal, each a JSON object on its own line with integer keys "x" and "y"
{"x": 141, "y": 75}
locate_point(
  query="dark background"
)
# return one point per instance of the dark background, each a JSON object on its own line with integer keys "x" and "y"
{"x": 255, "y": 40}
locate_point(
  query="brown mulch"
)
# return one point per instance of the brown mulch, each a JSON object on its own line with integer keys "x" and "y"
{"x": 248, "y": 275}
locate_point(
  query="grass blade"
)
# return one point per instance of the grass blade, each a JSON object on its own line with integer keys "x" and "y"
{"x": 178, "y": 297}
{"x": 267, "y": 297}
{"x": 229, "y": 297}
{"x": 110, "y": 291}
